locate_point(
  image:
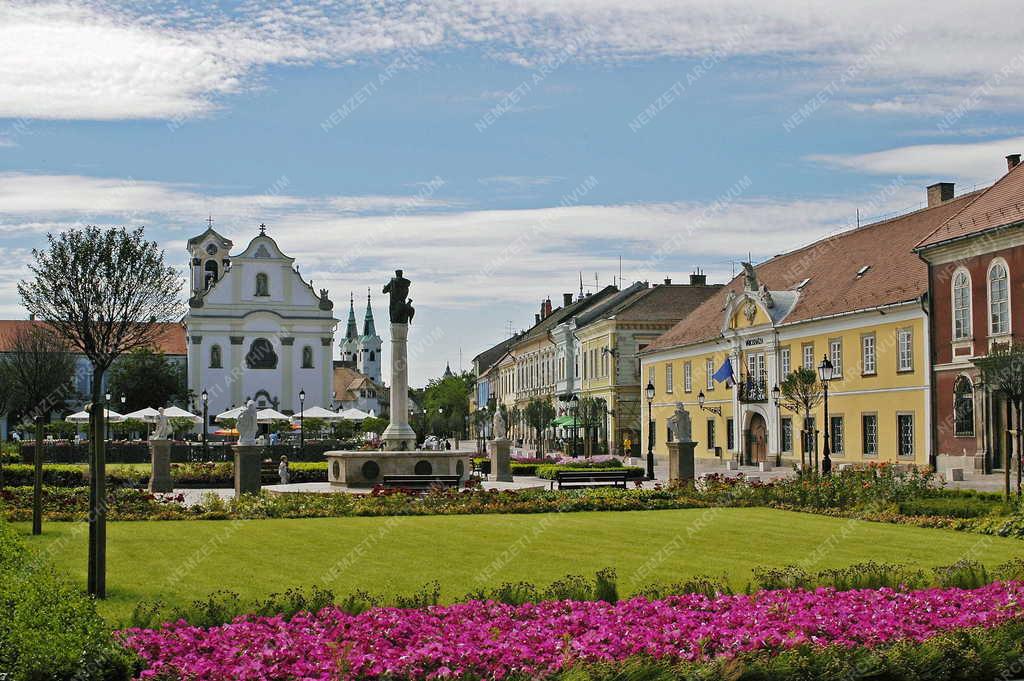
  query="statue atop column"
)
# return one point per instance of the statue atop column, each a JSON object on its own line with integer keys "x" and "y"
{"x": 163, "y": 427}
{"x": 681, "y": 425}
{"x": 400, "y": 306}
{"x": 498, "y": 425}
{"x": 246, "y": 424}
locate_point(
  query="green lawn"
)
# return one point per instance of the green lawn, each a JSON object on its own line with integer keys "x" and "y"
{"x": 400, "y": 554}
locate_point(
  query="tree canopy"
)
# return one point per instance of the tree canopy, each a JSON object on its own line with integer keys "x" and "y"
{"x": 148, "y": 379}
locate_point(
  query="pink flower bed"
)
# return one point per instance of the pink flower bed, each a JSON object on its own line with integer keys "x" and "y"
{"x": 490, "y": 640}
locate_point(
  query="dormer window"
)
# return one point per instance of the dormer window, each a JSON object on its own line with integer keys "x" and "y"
{"x": 262, "y": 285}
{"x": 863, "y": 270}
{"x": 800, "y": 286}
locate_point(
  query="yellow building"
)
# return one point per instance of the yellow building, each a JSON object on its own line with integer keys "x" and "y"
{"x": 858, "y": 298}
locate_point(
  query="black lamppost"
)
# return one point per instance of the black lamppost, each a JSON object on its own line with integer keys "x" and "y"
{"x": 302, "y": 426}
{"x": 825, "y": 371}
{"x": 206, "y": 422}
{"x": 106, "y": 416}
{"x": 776, "y": 395}
{"x": 574, "y": 405}
{"x": 650, "y": 431}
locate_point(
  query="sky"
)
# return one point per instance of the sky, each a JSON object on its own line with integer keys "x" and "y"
{"x": 498, "y": 152}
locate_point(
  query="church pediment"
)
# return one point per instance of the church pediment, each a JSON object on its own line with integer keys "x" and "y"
{"x": 759, "y": 308}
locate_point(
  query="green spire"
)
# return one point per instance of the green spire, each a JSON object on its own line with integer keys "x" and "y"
{"x": 351, "y": 332}
{"x": 368, "y": 328}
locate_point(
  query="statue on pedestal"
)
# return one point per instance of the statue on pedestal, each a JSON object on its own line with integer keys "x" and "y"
{"x": 400, "y": 307}
{"x": 246, "y": 424}
{"x": 682, "y": 427}
{"x": 498, "y": 426}
{"x": 163, "y": 427}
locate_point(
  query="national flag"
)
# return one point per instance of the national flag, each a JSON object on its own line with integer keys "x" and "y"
{"x": 724, "y": 373}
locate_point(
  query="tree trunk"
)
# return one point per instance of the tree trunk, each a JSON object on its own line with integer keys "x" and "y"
{"x": 37, "y": 479}
{"x": 1020, "y": 407}
{"x": 98, "y": 492}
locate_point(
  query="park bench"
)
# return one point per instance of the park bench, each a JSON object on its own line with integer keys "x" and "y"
{"x": 575, "y": 479}
{"x": 420, "y": 483}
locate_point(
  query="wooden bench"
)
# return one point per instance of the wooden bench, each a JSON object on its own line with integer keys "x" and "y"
{"x": 584, "y": 478}
{"x": 420, "y": 483}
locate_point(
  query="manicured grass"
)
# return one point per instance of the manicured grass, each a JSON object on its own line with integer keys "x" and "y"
{"x": 400, "y": 554}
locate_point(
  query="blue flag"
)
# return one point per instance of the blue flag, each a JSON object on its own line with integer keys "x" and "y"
{"x": 724, "y": 373}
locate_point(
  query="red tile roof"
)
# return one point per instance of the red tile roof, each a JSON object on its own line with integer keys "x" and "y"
{"x": 896, "y": 274}
{"x": 999, "y": 205}
{"x": 170, "y": 342}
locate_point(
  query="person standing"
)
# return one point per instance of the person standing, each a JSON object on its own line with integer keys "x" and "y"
{"x": 282, "y": 470}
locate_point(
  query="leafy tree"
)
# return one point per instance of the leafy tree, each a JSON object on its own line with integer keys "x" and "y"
{"x": 130, "y": 427}
{"x": 37, "y": 370}
{"x": 1002, "y": 370}
{"x": 374, "y": 425}
{"x": 313, "y": 426}
{"x": 539, "y": 413}
{"x": 180, "y": 425}
{"x": 104, "y": 292}
{"x": 148, "y": 379}
{"x": 802, "y": 393}
{"x": 590, "y": 417}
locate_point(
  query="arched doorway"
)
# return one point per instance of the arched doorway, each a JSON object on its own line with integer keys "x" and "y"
{"x": 757, "y": 444}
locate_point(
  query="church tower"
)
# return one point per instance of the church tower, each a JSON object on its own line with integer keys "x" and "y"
{"x": 370, "y": 344}
{"x": 350, "y": 346}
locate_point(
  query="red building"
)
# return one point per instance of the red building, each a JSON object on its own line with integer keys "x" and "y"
{"x": 976, "y": 292}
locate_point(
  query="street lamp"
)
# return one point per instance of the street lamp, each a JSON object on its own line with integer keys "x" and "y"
{"x": 650, "y": 431}
{"x": 206, "y": 421}
{"x": 334, "y": 399}
{"x": 302, "y": 426}
{"x": 106, "y": 415}
{"x": 825, "y": 373}
{"x": 776, "y": 395}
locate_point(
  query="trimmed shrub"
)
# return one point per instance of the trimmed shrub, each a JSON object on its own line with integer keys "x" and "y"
{"x": 50, "y": 629}
{"x": 550, "y": 471}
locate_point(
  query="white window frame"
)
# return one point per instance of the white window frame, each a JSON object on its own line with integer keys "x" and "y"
{"x": 904, "y": 349}
{"x": 709, "y": 368}
{"x": 841, "y": 449}
{"x": 992, "y": 331}
{"x": 687, "y": 377}
{"x": 786, "y": 361}
{"x": 669, "y": 371}
{"x": 869, "y": 354}
{"x": 913, "y": 444}
{"x": 961, "y": 315}
{"x": 835, "y": 355}
{"x": 803, "y": 350}
{"x": 864, "y": 435}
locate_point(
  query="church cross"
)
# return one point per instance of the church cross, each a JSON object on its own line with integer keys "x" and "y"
{"x": 263, "y": 228}
{"x": 209, "y": 221}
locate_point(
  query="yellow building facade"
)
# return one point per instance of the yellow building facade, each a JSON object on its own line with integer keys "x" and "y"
{"x": 878, "y": 403}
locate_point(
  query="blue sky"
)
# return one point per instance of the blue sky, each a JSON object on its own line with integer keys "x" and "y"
{"x": 495, "y": 150}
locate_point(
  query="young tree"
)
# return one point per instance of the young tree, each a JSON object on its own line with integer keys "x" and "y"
{"x": 148, "y": 379}
{"x": 539, "y": 413}
{"x": 1002, "y": 370}
{"x": 801, "y": 393}
{"x": 38, "y": 369}
{"x": 104, "y": 291}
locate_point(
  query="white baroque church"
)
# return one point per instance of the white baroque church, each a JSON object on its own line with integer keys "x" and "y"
{"x": 255, "y": 328}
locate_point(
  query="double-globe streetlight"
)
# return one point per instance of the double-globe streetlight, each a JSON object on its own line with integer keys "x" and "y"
{"x": 302, "y": 426}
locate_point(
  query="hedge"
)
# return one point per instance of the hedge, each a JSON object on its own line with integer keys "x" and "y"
{"x": 49, "y": 629}
{"x": 138, "y": 452}
{"x": 550, "y": 471}
{"x": 184, "y": 475}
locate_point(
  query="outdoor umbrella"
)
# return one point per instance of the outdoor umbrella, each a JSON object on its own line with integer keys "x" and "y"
{"x": 148, "y": 414}
{"x": 83, "y": 417}
{"x": 269, "y": 416}
{"x": 229, "y": 414}
{"x": 318, "y": 413}
{"x": 354, "y": 415}
{"x": 179, "y": 413}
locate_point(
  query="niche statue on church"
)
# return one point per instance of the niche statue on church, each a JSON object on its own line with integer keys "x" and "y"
{"x": 307, "y": 357}
{"x": 261, "y": 355}
{"x": 262, "y": 285}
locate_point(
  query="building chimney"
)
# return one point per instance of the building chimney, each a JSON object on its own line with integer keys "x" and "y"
{"x": 1012, "y": 161}
{"x": 566, "y": 299}
{"x": 939, "y": 193}
{"x": 536, "y": 319}
{"x": 32, "y": 317}
{"x": 547, "y": 307}
{"x": 698, "y": 278}
{"x": 668, "y": 281}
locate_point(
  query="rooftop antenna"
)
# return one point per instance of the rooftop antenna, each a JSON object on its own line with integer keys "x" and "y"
{"x": 858, "y": 218}
{"x": 581, "y": 283}
{"x": 620, "y": 270}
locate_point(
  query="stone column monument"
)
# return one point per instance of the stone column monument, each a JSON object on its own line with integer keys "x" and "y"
{"x": 500, "y": 448}
{"x": 399, "y": 435}
{"x": 247, "y": 453}
{"x": 680, "y": 450}
{"x": 160, "y": 456}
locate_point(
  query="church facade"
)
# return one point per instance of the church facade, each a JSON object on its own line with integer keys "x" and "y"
{"x": 255, "y": 328}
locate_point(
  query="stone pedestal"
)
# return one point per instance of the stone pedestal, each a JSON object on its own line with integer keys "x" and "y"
{"x": 399, "y": 435}
{"x": 247, "y": 469}
{"x": 160, "y": 466}
{"x": 680, "y": 461}
{"x": 501, "y": 459}
{"x": 367, "y": 468}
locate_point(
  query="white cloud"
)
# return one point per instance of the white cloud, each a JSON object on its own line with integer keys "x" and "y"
{"x": 975, "y": 162}
{"x": 89, "y": 60}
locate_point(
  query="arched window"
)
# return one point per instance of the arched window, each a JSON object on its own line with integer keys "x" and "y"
{"x": 212, "y": 273}
{"x": 963, "y": 407}
{"x": 961, "y": 305}
{"x": 215, "y": 360}
{"x": 307, "y": 357}
{"x": 373, "y": 355}
{"x": 262, "y": 285}
{"x": 998, "y": 300}
{"x": 261, "y": 355}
